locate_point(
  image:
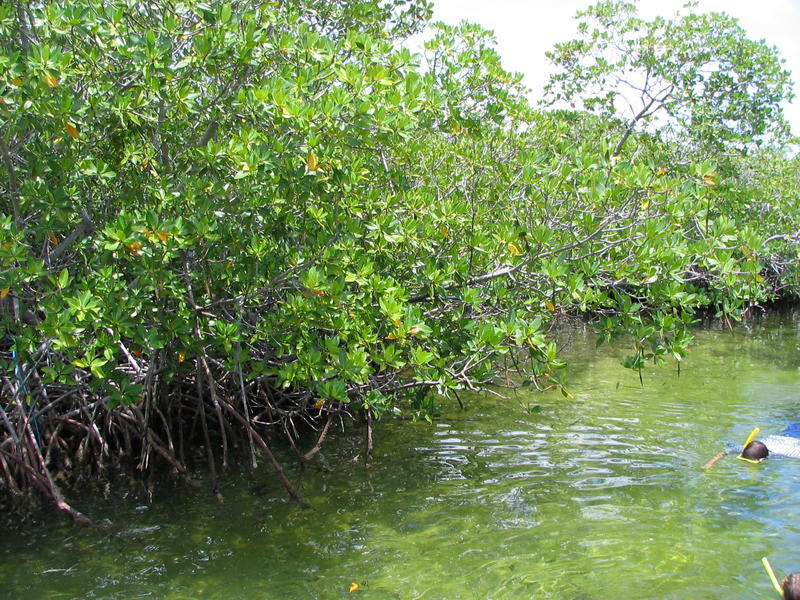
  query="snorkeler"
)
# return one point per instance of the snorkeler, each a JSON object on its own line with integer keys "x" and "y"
{"x": 789, "y": 588}
{"x": 754, "y": 451}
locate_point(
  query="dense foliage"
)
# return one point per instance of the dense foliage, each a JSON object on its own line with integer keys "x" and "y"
{"x": 697, "y": 76}
{"x": 227, "y": 221}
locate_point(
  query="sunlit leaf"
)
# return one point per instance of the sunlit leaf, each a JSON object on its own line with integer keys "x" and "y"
{"x": 312, "y": 162}
{"x": 73, "y": 133}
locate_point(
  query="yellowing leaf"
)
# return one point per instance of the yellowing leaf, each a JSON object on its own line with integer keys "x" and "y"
{"x": 73, "y": 133}
{"x": 351, "y": 315}
{"x": 319, "y": 403}
{"x": 4, "y": 292}
{"x": 51, "y": 81}
{"x": 443, "y": 231}
{"x": 312, "y": 162}
{"x": 163, "y": 235}
{"x": 414, "y": 330}
{"x": 133, "y": 248}
{"x": 53, "y": 239}
{"x": 550, "y": 306}
{"x": 661, "y": 171}
{"x": 353, "y": 587}
{"x": 513, "y": 249}
{"x": 17, "y": 81}
{"x": 181, "y": 355}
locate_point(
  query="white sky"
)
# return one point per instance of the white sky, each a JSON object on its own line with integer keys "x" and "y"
{"x": 526, "y": 29}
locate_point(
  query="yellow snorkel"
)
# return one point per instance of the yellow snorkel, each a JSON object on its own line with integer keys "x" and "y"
{"x": 747, "y": 441}
{"x": 772, "y": 577}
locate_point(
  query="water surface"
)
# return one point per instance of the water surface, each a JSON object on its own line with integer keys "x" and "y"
{"x": 596, "y": 497}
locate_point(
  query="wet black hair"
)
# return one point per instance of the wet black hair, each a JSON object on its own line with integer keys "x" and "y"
{"x": 791, "y": 587}
{"x": 755, "y": 450}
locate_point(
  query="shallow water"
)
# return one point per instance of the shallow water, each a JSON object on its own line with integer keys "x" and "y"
{"x": 597, "y": 497}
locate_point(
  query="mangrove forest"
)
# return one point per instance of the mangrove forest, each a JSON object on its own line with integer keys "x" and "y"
{"x": 229, "y": 227}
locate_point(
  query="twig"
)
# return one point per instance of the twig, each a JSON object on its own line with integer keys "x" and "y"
{"x": 275, "y": 464}
{"x": 310, "y": 454}
{"x": 83, "y": 227}
{"x": 55, "y": 493}
{"x": 209, "y": 451}
{"x": 13, "y": 183}
{"x": 245, "y": 406}
{"x": 212, "y": 388}
{"x": 370, "y": 444}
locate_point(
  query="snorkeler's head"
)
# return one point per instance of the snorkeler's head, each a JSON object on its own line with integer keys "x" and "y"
{"x": 755, "y": 450}
{"x": 791, "y": 587}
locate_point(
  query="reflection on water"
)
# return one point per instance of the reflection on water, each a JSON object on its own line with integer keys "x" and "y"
{"x": 596, "y": 497}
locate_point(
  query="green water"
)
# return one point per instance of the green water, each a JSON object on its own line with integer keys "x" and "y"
{"x": 596, "y": 497}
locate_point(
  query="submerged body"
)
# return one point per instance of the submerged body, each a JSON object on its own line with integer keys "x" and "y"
{"x": 783, "y": 445}
{"x": 786, "y": 444}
